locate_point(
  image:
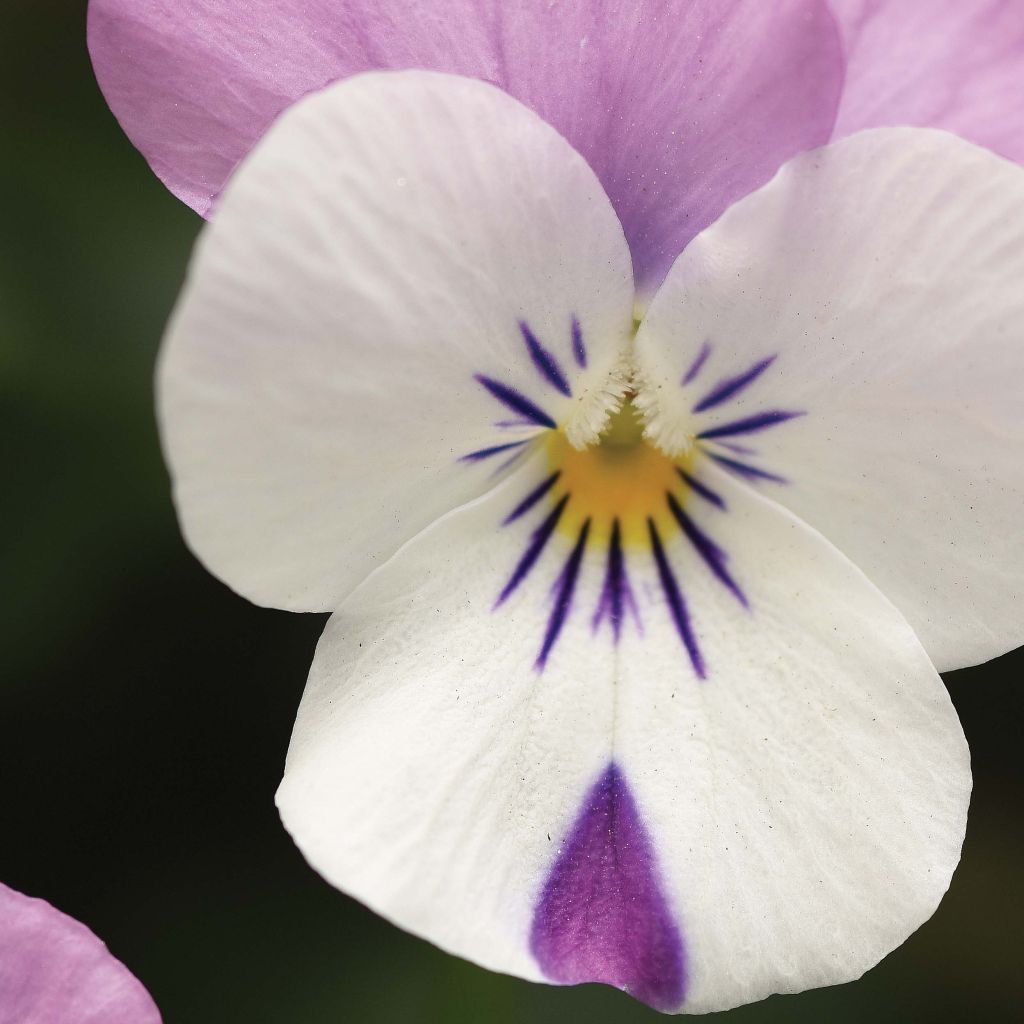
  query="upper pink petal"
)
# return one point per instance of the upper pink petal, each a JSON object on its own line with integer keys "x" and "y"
{"x": 680, "y": 107}
{"x": 53, "y": 970}
{"x": 953, "y": 64}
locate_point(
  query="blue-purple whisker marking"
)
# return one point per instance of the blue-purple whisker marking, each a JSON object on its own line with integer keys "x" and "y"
{"x": 563, "y": 600}
{"x": 737, "y": 449}
{"x": 616, "y": 593}
{"x": 486, "y": 453}
{"x": 732, "y": 386}
{"x": 713, "y": 556}
{"x": 676, "y": 604}
{"x": 745, "y": 469}
{"x": 702, "y": 489}
{"x": 533, "y": 550}
{"x": 695, "y": 367}
{"x": 579, "y": 350}
{"x": 532, "y": 498}
{"x": 518, "y": 403}
{"x": 544, "y": 361}
{"x": 749, "y": 424}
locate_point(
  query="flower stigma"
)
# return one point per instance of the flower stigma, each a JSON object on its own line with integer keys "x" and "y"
{"x": 621, "y": 478}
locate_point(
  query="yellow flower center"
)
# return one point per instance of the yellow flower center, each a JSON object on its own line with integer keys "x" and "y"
{"x": 622, "y": 477}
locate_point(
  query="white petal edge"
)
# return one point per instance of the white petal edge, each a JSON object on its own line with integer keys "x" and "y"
{"x": 806, "y": 802}
{"x": 884, "y": 272}
{"x": 375, "y": 252}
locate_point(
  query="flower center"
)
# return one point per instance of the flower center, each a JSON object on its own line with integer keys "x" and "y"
{"x": 622, "y": 478}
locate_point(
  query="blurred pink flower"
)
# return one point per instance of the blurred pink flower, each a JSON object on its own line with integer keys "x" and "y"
{"x": 53, "y": 970}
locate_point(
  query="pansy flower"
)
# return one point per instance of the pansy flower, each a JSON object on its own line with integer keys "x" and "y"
{"x": 53, "y": 970}
{"x": 644, "y": 535}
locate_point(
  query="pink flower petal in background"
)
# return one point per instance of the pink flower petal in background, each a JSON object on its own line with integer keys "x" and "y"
{"x": 53, "y": 970}
{"x": 953, "y": 64}
{"x": 680, "y": 106}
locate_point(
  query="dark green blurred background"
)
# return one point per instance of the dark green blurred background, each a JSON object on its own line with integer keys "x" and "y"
{"x": 146, "y": 710}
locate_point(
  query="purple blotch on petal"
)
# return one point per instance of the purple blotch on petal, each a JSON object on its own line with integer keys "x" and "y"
{"x": 697, "y": 364}
{"x": 533, "y": 550}
{"x": 602, "y": 915}
{"x": 579, "y": 350}
{"x": 486, "y": 453}
{"x": 714, "y": 557}
{"x": 516, "y": 402}
{"x": 749, "y": 424}
{"x": 732, "y": 386}
{"x": 563, "y": 599}
{"x": 699, "y": 488}
{"x": 676, "y": 604}
{"x": 532, "y": 498}
{"x": 746, "y": 470}
{"x": 545, "y": 362}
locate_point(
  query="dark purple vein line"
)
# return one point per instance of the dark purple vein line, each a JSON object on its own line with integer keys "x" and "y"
{"x": 676, "y": 604}
{"x": 616, "y": 590}
{"x": 532, "y": 498}
{"x": 745, "y": 469}
{"x": 695, "y": 367}
{"x": 732, "y": 386}
{"x": 513, "y": 400}
{"x": 713, "y": 556}
{"x": 486, "y": 453}
{"x": 749, "y": 424}
{"x": 702, "y": 489}
{"x": 533, "y": 550}
{"x": 579, "y": 350}
{"x": 563, "y": 601}
{"x": 545, "y": 362}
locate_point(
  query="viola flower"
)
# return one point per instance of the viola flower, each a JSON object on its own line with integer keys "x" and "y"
{"x": 609, "y": 703}
{"x": 640, "y": 575}
{"x": 53, "y": 970}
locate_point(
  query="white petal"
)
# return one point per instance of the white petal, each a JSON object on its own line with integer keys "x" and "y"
{"x": 883, "y": 275}
{"x": 390, "y": 240}
{"x": 430, "y": 760}
{"x": 809, "y": 798}
{"x": 781, "y": 823}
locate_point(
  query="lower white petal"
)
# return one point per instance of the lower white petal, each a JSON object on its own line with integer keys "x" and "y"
{"x": 732, "y": 772}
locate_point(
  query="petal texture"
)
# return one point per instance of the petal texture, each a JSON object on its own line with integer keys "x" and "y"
{"x": 680, "y": 106}
{"x": 411, "y": 277}
{"x": 53, "y": 970}
{"x": 953, "y": 64}
{"x": 776, "y": 814}
{"x": 860, "y": 320}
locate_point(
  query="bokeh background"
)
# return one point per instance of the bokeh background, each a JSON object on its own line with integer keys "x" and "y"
{"x": 146, "y": 710}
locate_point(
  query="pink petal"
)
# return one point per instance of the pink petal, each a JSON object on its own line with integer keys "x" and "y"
{"x": 953, "y": 64}
{"x": 680, "y": 108}
{"x": 53, "y": 970}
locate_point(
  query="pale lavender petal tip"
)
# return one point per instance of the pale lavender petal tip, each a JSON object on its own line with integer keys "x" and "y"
{"x": 602, "y": 915}
{"x": 53, "y": 970}
{"x": 951, "y": 64}
{"x": 679, "y": 108}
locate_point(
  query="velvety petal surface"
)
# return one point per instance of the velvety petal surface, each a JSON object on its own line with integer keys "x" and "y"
{"x": 411, "y": 277}
{"x": 953, "y": 64}
{"x": 53, "y": 970}
{"x": 741, "y": 775}
{"x": 868, "y": 373}
{"x": 680, "y": 106}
